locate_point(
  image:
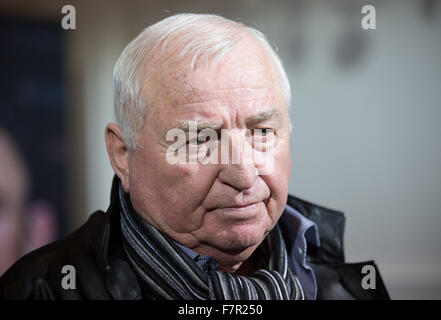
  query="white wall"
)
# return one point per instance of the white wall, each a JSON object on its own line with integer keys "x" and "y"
{"x": 366, "y": 138}
{"x": 367, "y": 141}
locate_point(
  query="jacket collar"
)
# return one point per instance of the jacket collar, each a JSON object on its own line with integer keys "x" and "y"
{"x": 330, "y": 227}
{"x": 118, "y": 275}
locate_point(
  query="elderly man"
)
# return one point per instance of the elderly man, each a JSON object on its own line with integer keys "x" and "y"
{"x": 188, "y": 226}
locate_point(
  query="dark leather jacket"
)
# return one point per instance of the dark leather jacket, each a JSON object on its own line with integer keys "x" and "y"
{"x": 103, "y": 272}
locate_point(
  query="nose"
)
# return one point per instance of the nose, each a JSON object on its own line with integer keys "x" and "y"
{"x": 240, "y": 172}
{"x": 240, "y": 177}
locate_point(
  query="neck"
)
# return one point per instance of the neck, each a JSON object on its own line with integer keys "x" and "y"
{"x": 245, "y": 268}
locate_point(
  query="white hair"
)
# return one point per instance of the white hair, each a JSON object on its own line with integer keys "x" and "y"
{"x": 203, "y": 38}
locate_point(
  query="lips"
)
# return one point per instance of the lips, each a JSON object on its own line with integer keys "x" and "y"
{"x": 241, "y": 213}
{"x": 235, "y": 205}
{"x": 235, "y": 201}
{"x": 242, "y": 206}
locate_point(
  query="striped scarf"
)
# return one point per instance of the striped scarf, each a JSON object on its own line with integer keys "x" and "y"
{"x": 166, "y": 272}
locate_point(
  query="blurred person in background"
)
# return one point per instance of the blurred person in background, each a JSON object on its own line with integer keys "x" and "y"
{"x": 24, "y": 225}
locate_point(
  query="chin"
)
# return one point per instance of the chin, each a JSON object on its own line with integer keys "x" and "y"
{"x": 239, "y": 237}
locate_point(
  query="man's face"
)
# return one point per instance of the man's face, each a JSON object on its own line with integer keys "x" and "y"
{"x": 221, "y": 210}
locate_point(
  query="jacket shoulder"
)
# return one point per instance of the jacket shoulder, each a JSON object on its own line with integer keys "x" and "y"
{"x": 39, "y": 274}
{"x": 335, "y": 278}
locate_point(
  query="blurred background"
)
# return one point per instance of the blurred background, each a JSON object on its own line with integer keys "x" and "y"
{"x": 366, "y": 110}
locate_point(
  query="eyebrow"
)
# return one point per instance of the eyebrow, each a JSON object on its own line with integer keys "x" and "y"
{"x": 263, "y": 116}
{"x": 200, "y": 125}
{"x": 253, "y": 120}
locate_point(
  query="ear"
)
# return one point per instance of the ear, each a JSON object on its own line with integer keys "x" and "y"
{"x": 118, "y": 153}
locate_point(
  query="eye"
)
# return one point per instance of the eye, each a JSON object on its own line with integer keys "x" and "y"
{"x": 263, "y": 131}
{"x": 195, "y": 142}
{"x": 198, "y": 142}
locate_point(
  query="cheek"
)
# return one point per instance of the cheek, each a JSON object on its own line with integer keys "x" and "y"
{"x": 185, "y": 194}
{"x": 186, "y": 186}
{"x": 170, "y": 195}
{"x": 278, "y": 183}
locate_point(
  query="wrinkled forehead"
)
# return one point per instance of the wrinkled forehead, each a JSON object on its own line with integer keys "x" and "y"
{"x": 243, "y": 72}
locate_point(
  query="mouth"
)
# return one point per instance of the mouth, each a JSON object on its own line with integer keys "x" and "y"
{"x": 246, "y": 211}
{"x": 249, "y": 205}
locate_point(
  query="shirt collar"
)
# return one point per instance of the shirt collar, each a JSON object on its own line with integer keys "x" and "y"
{"x": 206, "y": 263}
{"x": 299, "y": 225}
